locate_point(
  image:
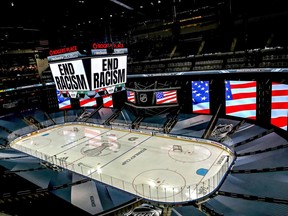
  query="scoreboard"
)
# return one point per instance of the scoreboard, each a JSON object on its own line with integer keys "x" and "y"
{"x": 108, "y": 71}
{"x": 105, "y": 72}
{"x": 70, "y": 75}
{"x": 82, "y": 76}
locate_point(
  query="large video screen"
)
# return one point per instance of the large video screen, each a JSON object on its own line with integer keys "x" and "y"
{"x": 108, "y": 71}
{"x": 200, "y": 97}
{"x": 131, "y": 96}
{"x": 69, "y": 75}
{"x": 166, "y": 97}
{"x": 279, "y": 105}
{"x": 241, "y": 98}
{"x": 63, "y": 102}
{"x": 108, "y": 101}
{"x": 87, "y": 102}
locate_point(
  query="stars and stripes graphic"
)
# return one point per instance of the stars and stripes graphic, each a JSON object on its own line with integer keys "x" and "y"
{"x": 63, "y": 102}
{"x": 87, "y": 102}
{"x": 200, "y": 97}
{"x": 241, "y": 99}
{"x": 279, "y": 105}
{"x": 131, "y": 96}
{"x": 166, "y": 97}
{"x": 107, "y": 101}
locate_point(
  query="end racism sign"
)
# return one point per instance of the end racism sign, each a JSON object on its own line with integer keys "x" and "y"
{"x": 105, "y": 72}
{"x": 69, "y": 75}
{"x": 108, "y": 71}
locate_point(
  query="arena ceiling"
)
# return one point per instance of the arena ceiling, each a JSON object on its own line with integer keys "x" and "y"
{"x": 31, "y": 23}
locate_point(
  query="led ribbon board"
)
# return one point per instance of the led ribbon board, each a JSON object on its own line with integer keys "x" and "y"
{"x": 108, "y": 71}
{"x": 69, "y": 76}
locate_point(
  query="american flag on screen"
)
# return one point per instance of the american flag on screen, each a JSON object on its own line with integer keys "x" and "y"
{"x": 200, "y": 97}
{"x": 131, "y": 96}
{"x": 166, "y": 97}
{"x": 241, "y": 99}
{"x": 87, "y": 102}
{"x": 279, "y": 105}
{"x": 63, "y": 102}
{"x": 107, "y": 101}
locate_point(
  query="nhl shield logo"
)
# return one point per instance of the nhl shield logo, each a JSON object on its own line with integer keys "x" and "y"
{"x": 221, "y": 130}
{"x": 143, "y": 97}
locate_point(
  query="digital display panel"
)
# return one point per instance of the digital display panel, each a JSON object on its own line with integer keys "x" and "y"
{"x": 108, "y": 101}
{"x": 69, "y": 76}
{"x": 131, "y": 96}
{"x": 108, "y": 71}
{"x": 200, "y": 97}
{"x": 241, "y": 98}
{"x": 87, "y": 102}
{"x": 63, "y": 102}
{"x": 279, "y": 105}
{"x": 166, "y": 97}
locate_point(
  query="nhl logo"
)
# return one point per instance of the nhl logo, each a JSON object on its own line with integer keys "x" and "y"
{"x": 221, "y": 130}
{"x": 143, "y": 97}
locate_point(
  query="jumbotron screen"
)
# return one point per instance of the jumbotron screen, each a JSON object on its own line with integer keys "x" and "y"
{"x": 108, "y": 101}
{"x": 74, "y": 75}
{"x": 63, "y": 102}
{"x": 241, "y": 98}
{"x": 131, "y": 96}
{"x": 279, "y": 105}
{"x": 70, "y": 75}
{"x": 200, "y": 97}
{"x": 108, "y": 71}
{"x": 87, "y": 101}
{"x": 166, "y": 97}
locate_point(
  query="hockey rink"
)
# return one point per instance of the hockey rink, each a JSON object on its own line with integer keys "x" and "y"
{"x": 156, "y": 167}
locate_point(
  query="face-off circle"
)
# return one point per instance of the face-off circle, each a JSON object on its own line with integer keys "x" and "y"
{"x": 189, "y": 153}
{"x": 159, "y": 183}
{"x": 40, "y": 141}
